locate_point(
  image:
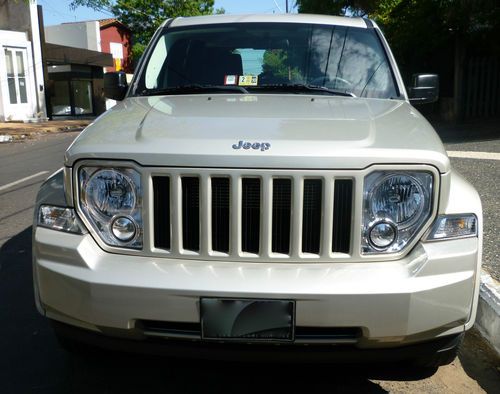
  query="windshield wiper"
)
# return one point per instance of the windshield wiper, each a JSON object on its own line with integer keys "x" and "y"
{"x": 194, "y": 88}
{"x": 303, "y": 88}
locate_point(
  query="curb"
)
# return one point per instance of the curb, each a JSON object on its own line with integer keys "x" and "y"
{"x": 488, "y": 310}
{"x": 6, "y": 138}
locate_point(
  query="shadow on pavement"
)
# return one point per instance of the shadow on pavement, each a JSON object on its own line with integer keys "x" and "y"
{"x": 480, "y": 361}
{"x": 29, "y": 358}
{"x": 471, "y": 131}
{"x": 32, "y": 361}
{"x": 112, "y": 373}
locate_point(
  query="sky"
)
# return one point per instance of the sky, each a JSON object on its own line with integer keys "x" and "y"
{"x": 58, "y": 11}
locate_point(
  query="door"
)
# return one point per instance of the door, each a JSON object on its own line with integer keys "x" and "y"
{"x": 17, "y": 82}
{"x": 82, "y": 97}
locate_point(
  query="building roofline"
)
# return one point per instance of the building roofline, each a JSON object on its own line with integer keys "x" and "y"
{"x": 103, "y": 23}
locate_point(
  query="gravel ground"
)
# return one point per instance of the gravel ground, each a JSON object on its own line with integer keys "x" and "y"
{"x": 18, "y": 131}
{"x": 484, "y": 175}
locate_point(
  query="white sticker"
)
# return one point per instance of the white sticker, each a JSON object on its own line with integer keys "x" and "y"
{"x": 230, "y": 79}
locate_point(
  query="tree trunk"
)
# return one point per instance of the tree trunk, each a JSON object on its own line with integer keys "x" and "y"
{"x": 458, "y": 82}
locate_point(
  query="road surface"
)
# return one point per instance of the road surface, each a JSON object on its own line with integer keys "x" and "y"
{"x": 32, "y": 362}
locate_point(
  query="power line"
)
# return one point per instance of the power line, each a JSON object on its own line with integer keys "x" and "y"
{"x": 277, "y": 6}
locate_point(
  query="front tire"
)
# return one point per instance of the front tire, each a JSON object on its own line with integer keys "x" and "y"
{"x": 443, "y": 357}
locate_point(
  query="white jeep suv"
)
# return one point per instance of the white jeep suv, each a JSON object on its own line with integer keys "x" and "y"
{"x": 263, "y": 187}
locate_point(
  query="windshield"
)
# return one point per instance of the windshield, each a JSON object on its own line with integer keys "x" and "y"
{"x": 268, "y": 57}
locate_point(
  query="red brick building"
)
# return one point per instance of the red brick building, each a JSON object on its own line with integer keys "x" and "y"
{"x": 116, "y": 39}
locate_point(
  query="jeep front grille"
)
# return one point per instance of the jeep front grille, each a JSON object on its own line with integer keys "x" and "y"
{"x": 220, "y": 214}
{"x": 248, "y": 215}
{"x": 282, "y": 212}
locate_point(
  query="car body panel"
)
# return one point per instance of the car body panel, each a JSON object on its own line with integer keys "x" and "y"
{"x": 386, "y": 299}
{"x": 303, "y": 132}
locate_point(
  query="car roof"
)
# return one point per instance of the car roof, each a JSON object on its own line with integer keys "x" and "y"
{"x": 273, "y": 18}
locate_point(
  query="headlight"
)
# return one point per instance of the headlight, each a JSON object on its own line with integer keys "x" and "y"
{"x": 396, "y": 206}
{"x": 110, "y": 192}
{"x": 111, "y": 200}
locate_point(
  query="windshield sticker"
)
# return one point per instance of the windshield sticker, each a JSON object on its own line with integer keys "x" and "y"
{"x": 248, "y": 80}
{"x": 230, "y": 79}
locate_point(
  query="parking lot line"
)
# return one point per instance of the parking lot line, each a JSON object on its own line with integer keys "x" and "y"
{"x": 474, "y": 155}
{"x": 8, "y": 185}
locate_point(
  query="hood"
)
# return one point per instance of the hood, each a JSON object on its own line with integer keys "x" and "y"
{"x": 278, "y": 131}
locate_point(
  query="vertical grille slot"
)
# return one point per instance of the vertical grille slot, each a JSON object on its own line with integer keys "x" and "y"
{"x": 342, "y": 215}
{"x": 282, "y": 201}
{"x": 161, "y": 201}
{"x": 191, "y": 213}
{"x": 250, "y": 215}
{"x": 220, "y": 214}
{"x": 311, "y": 217}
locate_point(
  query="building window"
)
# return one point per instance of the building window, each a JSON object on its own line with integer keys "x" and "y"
{"x": 71, "y": 90}
{"x": 16, "y": 75}
{"x": 82, "y": 93}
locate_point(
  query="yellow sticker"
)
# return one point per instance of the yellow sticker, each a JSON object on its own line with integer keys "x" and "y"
{"x": 248, "y": 80}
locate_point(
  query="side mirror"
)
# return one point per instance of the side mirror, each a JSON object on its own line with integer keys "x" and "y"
{"x": 424, "y": 88}
{"x": 115, "y": 85}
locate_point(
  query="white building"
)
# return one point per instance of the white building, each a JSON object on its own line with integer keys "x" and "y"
{"x": 22, "y": 90}
{"x": 86, "y": 35}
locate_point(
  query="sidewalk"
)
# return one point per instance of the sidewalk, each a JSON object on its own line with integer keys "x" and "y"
{"x": 18, "y": 131}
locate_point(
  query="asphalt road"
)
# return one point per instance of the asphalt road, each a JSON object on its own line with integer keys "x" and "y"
{"x": 32, "y": 362}
{"x": 485, "y": 176}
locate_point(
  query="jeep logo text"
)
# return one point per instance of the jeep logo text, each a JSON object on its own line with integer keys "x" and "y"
{"x": 252, "y": 145}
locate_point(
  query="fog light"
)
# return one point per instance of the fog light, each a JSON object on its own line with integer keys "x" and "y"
{"x": 382, "y": 234}
{"x": 123, "y": 228}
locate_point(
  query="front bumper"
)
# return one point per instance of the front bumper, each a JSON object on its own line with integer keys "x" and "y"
{"x": 257, "y": 352}
{"x": 428, "y": 294}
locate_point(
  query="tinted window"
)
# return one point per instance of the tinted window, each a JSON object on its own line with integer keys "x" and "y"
{"x": 346, "y": 59}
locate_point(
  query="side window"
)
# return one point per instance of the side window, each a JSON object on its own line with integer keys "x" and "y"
{"x": 155, "y": 64}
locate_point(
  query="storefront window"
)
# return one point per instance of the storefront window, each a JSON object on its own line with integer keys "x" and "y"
{"x": 61, "y": 104}
{"x": 82, "y": 92}
{"x": 71, "y": 90}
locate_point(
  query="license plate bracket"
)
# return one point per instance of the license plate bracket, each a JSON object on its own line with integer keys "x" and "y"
{"x": 247, "y": 320}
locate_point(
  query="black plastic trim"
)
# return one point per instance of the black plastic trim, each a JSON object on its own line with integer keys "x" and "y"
{"x": 267, "y": 353}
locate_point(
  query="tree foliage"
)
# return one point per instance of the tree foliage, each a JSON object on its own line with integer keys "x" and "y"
{"x": 421, "y": 32}
{"x": 278, "y": 65}
{"x": 144, "y": 16}
{"x": 338, "y": 7}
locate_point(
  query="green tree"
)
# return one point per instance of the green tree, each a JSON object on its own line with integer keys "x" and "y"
{"x": 277, "y": 67}
{"x": 336, "y": 7}
{"x": 143, "y": 17}
{"x": 419, "y": 29}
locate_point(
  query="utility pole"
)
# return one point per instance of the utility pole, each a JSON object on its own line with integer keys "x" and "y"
{"x": 286, "y": 6}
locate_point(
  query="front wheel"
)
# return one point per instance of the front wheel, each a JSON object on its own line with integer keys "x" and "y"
{"x": 443, "y": 357}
